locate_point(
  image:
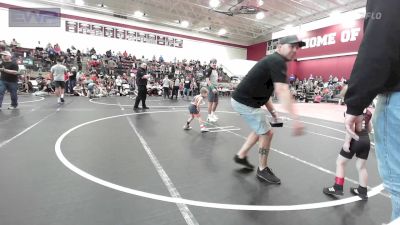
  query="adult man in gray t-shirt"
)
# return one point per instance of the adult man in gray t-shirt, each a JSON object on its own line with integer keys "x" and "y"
{"x": 57, "y": 73}
{"x": 212, "y": 83}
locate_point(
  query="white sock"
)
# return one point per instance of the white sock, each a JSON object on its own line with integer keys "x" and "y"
{"x": 62, "y": 95}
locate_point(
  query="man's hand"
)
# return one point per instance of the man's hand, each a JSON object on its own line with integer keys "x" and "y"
{"x": 214, "y": 91}
{"x": 274, "y": 115}
{"x": 346, "y": 146}
{"x": 352, "y": 124}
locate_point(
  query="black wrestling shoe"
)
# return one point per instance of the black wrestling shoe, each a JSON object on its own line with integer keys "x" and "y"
{"x": 362, "y": 194}
{"x": 333, "y": 191}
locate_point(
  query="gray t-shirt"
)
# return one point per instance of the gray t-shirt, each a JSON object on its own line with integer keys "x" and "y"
{"x": 58, "y": 72}
{"x": 166, "y": 83}
{"x": 212, "y": 74}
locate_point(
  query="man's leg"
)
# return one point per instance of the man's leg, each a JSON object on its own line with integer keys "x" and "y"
{"x": 144, "y": 96}
{"x": 386, "y": 122}
{"x": 264, "y": 172}
{"x": 57, "y": 91}
{"x": 67, "y": 85}
{"x": 62, "y": 93}
{"x": 250, "y": 142}
{"x": 2, "y": 92}
{"x": 72, "y": 85}
{"x": 209, "y": 108}
{"x": 264, "y": 145}
{"x": 214, "y": 108}
{"x": 138, "y": 98}
{"x": 13, "y": 88}
{"x": 210, "y": 105}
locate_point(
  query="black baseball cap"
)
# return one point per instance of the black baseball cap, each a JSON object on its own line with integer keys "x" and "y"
{"x": 292, "y": 39}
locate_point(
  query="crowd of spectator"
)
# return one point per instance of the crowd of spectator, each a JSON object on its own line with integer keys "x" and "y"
{"x": 113, "y": 73}
{"x": 107, "y": 74}
{"x": 315, "y": 89}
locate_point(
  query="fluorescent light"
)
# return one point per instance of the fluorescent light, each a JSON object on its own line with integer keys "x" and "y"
{"x": 79, "y": 2}
{"x": 221, "y": 32}
{"x": 260, "y": 2}
{"x": 185, "y": 23}
{"x": 260, "y": 15}
{"x": 214, "y": 3}
{"x": 327, "y": 56}
{"x": 138, "y": 14}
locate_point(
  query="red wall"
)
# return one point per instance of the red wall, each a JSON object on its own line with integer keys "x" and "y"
{"x": 292, "y": 68}
{"x": 257, "y": 51}
{"x": 339, "y": 46}
{"x": 337, "y": 66}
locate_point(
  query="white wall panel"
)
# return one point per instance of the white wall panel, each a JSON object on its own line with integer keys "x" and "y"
{"x": 192, "y": 49}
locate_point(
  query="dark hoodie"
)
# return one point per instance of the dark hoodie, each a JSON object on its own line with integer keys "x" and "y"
{"x": 377, "y": 67}
{"x": 139, "y": 77}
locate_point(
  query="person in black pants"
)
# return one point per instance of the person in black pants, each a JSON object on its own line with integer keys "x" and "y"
{"x": 72, "y": 80}
{"x": 141, "y": 82}
{"x": 8, "y": 79}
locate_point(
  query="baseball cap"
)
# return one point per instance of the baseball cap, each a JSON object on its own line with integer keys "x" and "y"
{"x": 292, "y": 39}
{"x": 5, "y": 53}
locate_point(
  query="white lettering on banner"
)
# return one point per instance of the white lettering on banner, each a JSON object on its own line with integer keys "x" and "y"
{"x": 349, "y": 35}
{"x": 354, "y": 33}
{"x": 327, "y": 39}
{"x": 345, "y": 36}
{"x": 330, "y": 39}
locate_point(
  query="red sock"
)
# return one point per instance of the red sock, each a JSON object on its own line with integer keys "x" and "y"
{"x": 339, "y": 181}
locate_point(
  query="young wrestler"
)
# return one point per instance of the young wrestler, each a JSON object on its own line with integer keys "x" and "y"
{"x": 194, "y": 110}
{"x": 359, "y": 148}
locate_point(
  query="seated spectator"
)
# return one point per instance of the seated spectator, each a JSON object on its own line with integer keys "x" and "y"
{"x": 91, "y": 86}
{"x": 78, "y": 90}
{"x": 317, "y": 99}
{"x": 102, "y": 90}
